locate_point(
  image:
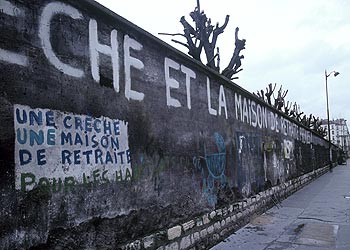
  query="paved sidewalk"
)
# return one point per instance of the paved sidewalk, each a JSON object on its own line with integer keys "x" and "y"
{"x": 316, "y": 217}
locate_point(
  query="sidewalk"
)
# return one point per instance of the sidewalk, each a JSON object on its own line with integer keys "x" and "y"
{"x": 316, "y": 217}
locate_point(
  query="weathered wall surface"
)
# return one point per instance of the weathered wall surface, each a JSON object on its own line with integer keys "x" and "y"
{"x": 109, "y": 135}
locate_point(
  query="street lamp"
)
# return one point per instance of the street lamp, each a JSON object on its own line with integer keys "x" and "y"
{"x": 335, "y": 73}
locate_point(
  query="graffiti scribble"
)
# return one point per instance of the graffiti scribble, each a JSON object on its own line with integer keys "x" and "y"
{"x": 215, "y": 164}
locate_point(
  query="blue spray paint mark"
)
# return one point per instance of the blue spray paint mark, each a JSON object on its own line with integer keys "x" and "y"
{"x": 215, "y": 164}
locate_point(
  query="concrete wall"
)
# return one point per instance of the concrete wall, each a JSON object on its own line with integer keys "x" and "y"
{"x": 109, "y": 135}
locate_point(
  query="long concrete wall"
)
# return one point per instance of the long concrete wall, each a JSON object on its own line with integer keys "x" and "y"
{"x": 111, "y": 139}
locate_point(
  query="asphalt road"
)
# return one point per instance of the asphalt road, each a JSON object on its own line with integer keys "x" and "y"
{"x": 316, "y": 217}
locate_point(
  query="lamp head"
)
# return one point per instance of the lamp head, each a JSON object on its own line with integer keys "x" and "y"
{"x": 336, "y": 73}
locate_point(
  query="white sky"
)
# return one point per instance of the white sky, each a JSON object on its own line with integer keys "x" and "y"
{"x": 289, "y": 42}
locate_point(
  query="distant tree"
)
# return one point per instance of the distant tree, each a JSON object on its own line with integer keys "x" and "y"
{"x": 279, "y": 101}
{"x": 292, "y": 110}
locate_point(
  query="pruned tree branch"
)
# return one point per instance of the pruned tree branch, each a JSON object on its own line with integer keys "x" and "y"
{"x": 171, "y": 34}
{"x": 235, "y": 62}
{"x": 203, "y": 35}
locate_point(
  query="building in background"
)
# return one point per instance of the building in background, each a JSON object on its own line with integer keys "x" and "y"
{"x": 339, "y": 133}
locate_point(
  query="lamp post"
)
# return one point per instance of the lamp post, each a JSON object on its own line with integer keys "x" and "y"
{"x": 335, "y": 73}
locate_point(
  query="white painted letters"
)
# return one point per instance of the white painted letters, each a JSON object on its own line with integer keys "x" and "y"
{"x": 210, "y": 109}
{"x": 222, "y": 101}
{"x": 11, "y": 57}
{"x": 180, "y": 80}
{"x": 129, "y": 61}
{"x": 245, "y": 110}
{"x": 254, "y": 117}
{"x": 238, "y": 107}
{"x": 189, "y": 74}
{"x": 9, "y": 9}
{"x": 171, "y": 82}
{"x": 48, "y": 13}
{"x": 96, "y": 48}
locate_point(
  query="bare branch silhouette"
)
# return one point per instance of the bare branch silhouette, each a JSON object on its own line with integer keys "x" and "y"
{"x": 204, "y": 36}
{"x": 235, "y": 62}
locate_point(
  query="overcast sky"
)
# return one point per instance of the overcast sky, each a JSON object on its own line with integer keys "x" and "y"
{"x": 289, "y": 42}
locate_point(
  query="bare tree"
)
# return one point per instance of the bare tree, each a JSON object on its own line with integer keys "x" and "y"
{"x": 207, "y": 31}
{"x": 295, "y": 112}
{"x": 287, "y": 108}
{"x": 235, "y": 62}
{"x": 204, "y": 36}
{"x": 290, "y": 109}
{"x": 260, "y": 94}
{"x": 279, "y": 101}
{"x": 269, "y": 92}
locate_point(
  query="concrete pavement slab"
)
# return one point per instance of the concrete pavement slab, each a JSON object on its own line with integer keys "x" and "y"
{"x": 343, "y": 237}
{"x": 316, "y": 217}
{"x": 318, "y": 234}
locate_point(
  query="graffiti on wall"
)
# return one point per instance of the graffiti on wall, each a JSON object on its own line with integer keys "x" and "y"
{"x": 288, "y": 148}
{"x": 251, "y": 168}
{"x": 212, "y": 167}
{"x": 58, "y": 150}
{"x": 288, "y": 160}
{"x": 127, "y": 55}
{"x": 153, "y": 168}
{"x": 278, "y": 158}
